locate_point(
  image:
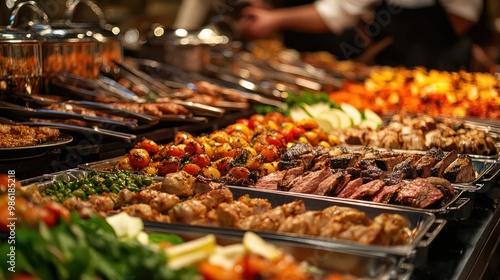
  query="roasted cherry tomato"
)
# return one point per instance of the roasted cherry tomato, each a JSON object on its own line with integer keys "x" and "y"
{"x": 182, "y": 136}
{"x": 139, "y": 158}
{"x": 239, "y": 172}
{"x": 169, "y": 165}
{"x": 297, "y": 131}
{"x": 149, "y": 145}
{"x": 194, "y": 147}
{"x": 191, "y": 168}
{"x": 202, "y": 160}
{"x": 175, "y": 151}
{"x": 277, "y": 141}
{"x": 245, "y": 122}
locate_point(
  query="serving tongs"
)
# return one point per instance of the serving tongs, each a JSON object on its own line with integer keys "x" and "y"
{"x": 149, "y": 83}
{"x": 10, "y": 109}
{"x": 94, "y": 88}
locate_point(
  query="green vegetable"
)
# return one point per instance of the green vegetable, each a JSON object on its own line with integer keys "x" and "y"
{"x": 170, "y": 238}
{"x": 86, "y": 249}
{"x": 97, "y": 183}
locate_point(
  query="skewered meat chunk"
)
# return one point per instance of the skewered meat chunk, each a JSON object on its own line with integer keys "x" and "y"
{"x": 163, "y": 202}
{"x": 178, "y": 183}
{"x": 187, "y": 211}
{"x": 460, "y": 171}
{"x": 272, "y": 219}
{"x": 125, "y": 197}
{"x": 214, "y": 197}
{"x": 418, "y": 193}
{"x": 228, "y": 214}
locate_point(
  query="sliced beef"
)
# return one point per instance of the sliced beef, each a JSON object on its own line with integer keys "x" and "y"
{"x": 309, "y": 182}
{"x": 393, "y": 178}
{"x": 368, "y": 190}
{"x": 298, "y": 155}
{"x": 371, "y": 173}
{"x": 444, "y": 186}
{"x": 332, "y": 184}
{"x": 445, "y": 161}
{"x": 419, "y": 193}
{"x": 345, "y": 160}
{"x": 387, "y": 193}
{"x": 460, "y": 171}
{"x": 350, "y": 188}
{"x": 290, "y": 175}
{"x": 270, "y": 181}
{"x": 408, "y": 166}
{"x": 427, "y": 162}
{"x": 388, "y": 163}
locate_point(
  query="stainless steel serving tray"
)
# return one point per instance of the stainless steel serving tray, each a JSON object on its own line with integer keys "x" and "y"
{"x": 426, "y": 225}
{"x": 365, "y": 266}
{"x": 458, "y": 208}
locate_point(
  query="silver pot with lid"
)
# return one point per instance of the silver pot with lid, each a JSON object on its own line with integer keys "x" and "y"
{"x": 20, "y": 60}
{"x": 64, "y": 49}
{"x": 108, "y": 36}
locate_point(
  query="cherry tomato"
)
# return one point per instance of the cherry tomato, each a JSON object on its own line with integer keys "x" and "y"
{"x": 139, "y": 158}
{"x": 149, "y": 145}
{"x": 257, "y": 119}
{"x": 288, "y": 135}
{"x": 245, "y": 122}
{"x": 5, "y": 181}
{"x": 201, "y": 160}
{"x": 276, "y": 141}
{"x": 275, "y": 117}
{"x": 194, "y": 147}
{"x": 182, "y": 136}
{"x": 239, "y": 127}
{"x": 175, "y": 151}
{"x": 224, "y": 150}
{"x": 297, "y": 131}
{"x": 57, "y": 209}
{"x": 4, "y": 216}
{"x": 270, "y": 153}
{"x": 170, "y": 165}
{"x": 48, "y": 218}
{"x": 191, "y": 168}
{"x": 224, "y": 165}
{"x": 239, "y": 172}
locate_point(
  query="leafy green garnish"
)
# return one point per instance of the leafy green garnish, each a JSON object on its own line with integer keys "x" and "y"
{"x": 294, "y": 99}
{"x": 163, "y": 237}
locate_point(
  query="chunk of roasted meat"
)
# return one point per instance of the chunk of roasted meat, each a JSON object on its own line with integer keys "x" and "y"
{"x": 22, "y": 136}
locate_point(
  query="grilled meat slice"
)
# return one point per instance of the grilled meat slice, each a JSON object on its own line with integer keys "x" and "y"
{"x": 352, "y": 171}
{"x": 298, "y": 155}
{"x": 419, "y": 193}
{"x": 272, "y": 219}
{"x": 270, "y": 181}
{"x": 393, "y": 178}
{"x": 408, "y": 166}
{"x": 368, "y": 190}
{"x": 310, "y": 181}
{"x": 444, "y": 162}
{"x": 371, "y": 173}
{"x": 388, "y": 163}
{"x": 427, "y": 162}
{"x": 332, "y": 184}
{"x": 460, "y": 171}
{"x": 345, "y": 160}
{"x": 444, "y": 186}
{"x": 290, "y": 175}
{"x": 388, "y": 193}
{"x": 350, "y": 188}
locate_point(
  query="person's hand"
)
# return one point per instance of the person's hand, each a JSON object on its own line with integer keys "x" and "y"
{"x": 257, "y": 22}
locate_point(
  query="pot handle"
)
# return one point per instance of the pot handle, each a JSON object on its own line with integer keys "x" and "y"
{"x": 34, "y": 7}
{"x": 70, "y": 12}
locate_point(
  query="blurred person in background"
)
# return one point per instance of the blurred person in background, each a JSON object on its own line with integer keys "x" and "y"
{"x": 430, "y": 33}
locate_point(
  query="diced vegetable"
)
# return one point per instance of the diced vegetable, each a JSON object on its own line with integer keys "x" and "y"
{"x": 344, "y": 119}
{"x": 298, "y": 114}
{"x": 370, "y": 115}
{"x": 256, "y": 245}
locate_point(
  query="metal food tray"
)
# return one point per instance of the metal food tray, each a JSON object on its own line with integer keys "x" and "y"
{"x": 365, "y": 266}
{"x": 458, "y": 208}
{"x": 426, "y": 224}
{"x": 485, "y": 167}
